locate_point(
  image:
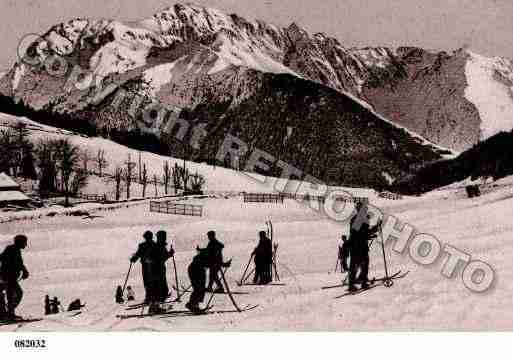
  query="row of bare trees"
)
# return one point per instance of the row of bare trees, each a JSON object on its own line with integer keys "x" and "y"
{"x": 177, "y": 176}
{"x": 63, "y": 168}
{"x": 60, "y": 170}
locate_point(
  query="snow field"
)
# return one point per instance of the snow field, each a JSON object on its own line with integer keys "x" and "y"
{"x": 75, "y": 258}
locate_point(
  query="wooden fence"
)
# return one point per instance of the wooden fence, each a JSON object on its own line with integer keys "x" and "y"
{"x": 263, "y": 197}
{"x": 170, "y": 207}
{"x": 93, "y": 197}
{"x": 322, "y": 199}
{"x": 390, "y": 195}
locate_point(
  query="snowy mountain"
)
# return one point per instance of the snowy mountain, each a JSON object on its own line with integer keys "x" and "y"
{"x": 250, "y": 79}
{"x": 453, "y": 100}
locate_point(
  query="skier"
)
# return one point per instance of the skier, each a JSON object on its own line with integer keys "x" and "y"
{"x": 119, "y": 295}
{"x": 197, "y": 271}
{"x": 263, "y": 257}
{"x": 215, "y": 258}
{"x": 162, "y": 255}
{"x": 146, "y": 253}
{"x": 11, "y": 268}
{"x": 48, "y": 309}
{"x": 358, "y": 247}
{"x": 343, "y": 254}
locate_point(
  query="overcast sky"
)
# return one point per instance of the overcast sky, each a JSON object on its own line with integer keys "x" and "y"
{"x": 486, "y": 26}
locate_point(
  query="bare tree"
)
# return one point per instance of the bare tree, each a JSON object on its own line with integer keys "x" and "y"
{"x": 144, "y": 180}
{"x": 101, "y": 162}
{"x": 68, "y": 156}
{"x": 140, "y": 168}
{"x": 184, "y": 176}
{"x": 129, "y": 169}
{"x": 176, "y": 178}
{"x": 85, "y": 157}
{"x": 46, "y": 161}
{"x": 118, "y": 177}
{"x": 166, "y": 176}
{"x": 79, "y": 180}
{"x": 155, "y": 182}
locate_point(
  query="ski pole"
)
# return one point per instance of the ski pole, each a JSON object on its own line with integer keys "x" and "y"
{"x": 245, "y": 270}
{"x": 126, "y": 279}
{"x": 183, "y": 292}
{"x": 229, "y": 292}
{"x": 176, "y": 281}
{"x": 387, "y": 282}
{"x": 275, "y": 256}
{"x": 249, "y": 275}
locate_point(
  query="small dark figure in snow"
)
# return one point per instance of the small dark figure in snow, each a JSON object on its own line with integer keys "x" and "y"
{"x": 162, "y": 255}
{"x": 11, "y": 268}
{"x": 75, "y": 305}
{"x": 48, "y": 308}
{"x": 263, "y": 257}
{"x": 146, "y": 253}
{"x": 55, "y": 305}
{"x": 358, "y": 247}
{"x": 119, "y": 295}
{"x": 130, "y": 295}
{"x": 215, "y": 259}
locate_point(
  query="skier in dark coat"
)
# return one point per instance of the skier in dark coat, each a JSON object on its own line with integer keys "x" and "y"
{"x": 197, "y": 271}
{"x": 263, "y": 257}
{"x": 343, "y": 254}
{"x": 146, "y": 253}
{"x": 215, "y": 257}
{"x": 162, "y": 255}
{"x": 358, "y": 246}
{"x": 11, "y": 268}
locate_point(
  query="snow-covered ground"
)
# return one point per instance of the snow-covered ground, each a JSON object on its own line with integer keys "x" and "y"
{"x": 87, "y": 257}
{"x": 71, "y": 258}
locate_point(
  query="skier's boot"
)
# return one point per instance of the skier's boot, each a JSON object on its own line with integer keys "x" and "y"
{"x": 155, "y": 308}
{"x": 352, "y": 288}
{"x": 188, "y": 306}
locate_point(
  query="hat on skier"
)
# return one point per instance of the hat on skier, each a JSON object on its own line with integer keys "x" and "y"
{"x": 162, "y": 237}
{"x": 211, "y": 234}
{"x": 148, "y": 235}
{"x": 20, "y": 240}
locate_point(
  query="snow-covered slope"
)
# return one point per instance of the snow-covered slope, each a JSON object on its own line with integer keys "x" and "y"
{"x": 71, "y": 258}
{"x": 490, "y": 89}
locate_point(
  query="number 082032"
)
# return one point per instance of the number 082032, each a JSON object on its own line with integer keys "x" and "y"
{"x": 30, "y": 343}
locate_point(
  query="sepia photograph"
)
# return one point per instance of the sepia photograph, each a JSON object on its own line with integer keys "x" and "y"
{"x": 254, "y": 167}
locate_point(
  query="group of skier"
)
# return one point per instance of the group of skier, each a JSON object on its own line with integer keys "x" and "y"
{"x": 353, "y": 255}
{"x": 153, "y": 256}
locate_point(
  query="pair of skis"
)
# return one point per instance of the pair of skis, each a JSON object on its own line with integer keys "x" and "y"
{"x": 187, "y": 313}
{"x": 387, "y": 281}
{"x": 274, "y": 269}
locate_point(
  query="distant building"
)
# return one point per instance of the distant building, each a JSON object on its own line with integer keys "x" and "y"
{"x": 10, "y": 192}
